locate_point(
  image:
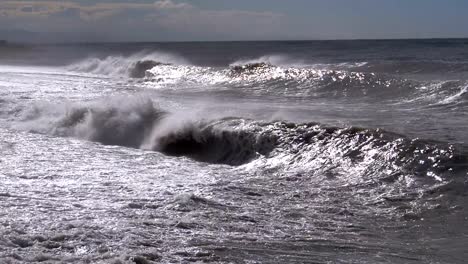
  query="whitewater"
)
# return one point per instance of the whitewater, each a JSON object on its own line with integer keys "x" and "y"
{"x": 234, "y": 152}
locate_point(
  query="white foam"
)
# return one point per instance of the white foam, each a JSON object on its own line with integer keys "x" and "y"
{"x": 276, "y": 60}
{"x": 455, "y": 97}
{"x": 29, "y": 69}
{"x": 120, "y": 65}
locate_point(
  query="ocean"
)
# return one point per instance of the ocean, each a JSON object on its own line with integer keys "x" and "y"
{"x": 234, "y": 152}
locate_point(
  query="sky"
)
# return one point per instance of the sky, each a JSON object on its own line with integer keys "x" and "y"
{"x": 211, "y": 20}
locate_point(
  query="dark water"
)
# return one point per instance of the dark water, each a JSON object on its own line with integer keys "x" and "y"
{"x": 235, "y": 152}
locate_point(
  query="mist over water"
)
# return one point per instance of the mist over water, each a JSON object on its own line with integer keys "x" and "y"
{"x": 255, "y": 152}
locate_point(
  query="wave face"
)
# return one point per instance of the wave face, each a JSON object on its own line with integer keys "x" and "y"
{"x": 228, "y": 141}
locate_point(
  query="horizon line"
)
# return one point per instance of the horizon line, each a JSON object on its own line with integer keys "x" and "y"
{"x": 3, "y": 41}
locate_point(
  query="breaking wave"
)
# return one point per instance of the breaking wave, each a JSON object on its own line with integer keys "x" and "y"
{"x": 265, "y": 77}
{"x": 276, "y": 75}
{"x": 138, "y": 123}
{"x": 262, "y": 78}
{"x": 354, "y": 153}
{"x": 134, "y": 66}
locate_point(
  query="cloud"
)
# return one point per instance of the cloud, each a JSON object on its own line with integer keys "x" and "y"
{"x": 224, "y": 23}
{"x": 47, "y": 8}
{"x": 168, "y": 4}
{"x": 179, "y": 20}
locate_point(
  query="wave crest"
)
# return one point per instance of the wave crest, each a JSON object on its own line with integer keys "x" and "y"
{"x": 134, "y": 66}
{"x": 120, "y": 121}
{"x": 264, "y": 78}
{"x": 250, "y": 68}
